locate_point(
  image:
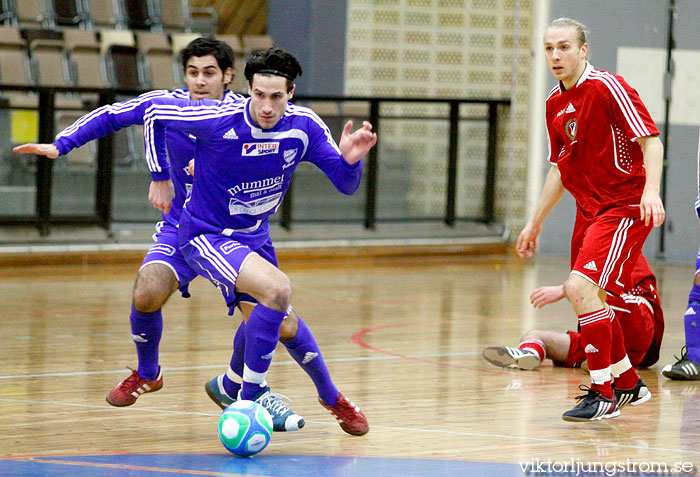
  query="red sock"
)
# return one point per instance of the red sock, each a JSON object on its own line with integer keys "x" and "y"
{"x": 596, "y": 334}
{"x": 536, "y": 346}
{"x": 625, "y": 375}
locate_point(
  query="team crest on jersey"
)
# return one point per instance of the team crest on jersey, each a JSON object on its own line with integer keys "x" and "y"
{"x": 289, "y": 155}
{"x": 260, "y": 148}
{"x": 571, "y": 128}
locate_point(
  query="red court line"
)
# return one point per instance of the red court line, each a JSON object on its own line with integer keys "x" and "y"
{"x": 358, "y": 338}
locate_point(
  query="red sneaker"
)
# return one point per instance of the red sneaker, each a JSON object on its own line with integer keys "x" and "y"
{"x": 127, "y": 392}
{"x": 348, "y": 415}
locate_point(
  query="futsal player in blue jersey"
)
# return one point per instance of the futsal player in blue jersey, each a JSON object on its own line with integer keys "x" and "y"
{"x": 246, "y": 155}
{"x": 688, "y": 365}
{"x": 208, "y": 67}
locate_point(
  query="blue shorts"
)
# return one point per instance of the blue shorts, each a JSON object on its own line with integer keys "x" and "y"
{"x": 220, "y": 259}
{"x": 165, "y": 251}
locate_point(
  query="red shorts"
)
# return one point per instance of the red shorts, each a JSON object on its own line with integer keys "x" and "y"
{"x": 604, "y": 250}
{"x": 637, "y": 322}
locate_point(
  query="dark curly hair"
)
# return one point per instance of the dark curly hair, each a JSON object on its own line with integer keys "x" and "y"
{"x": 273, "y": 61}
{"x": 204, "y": 46}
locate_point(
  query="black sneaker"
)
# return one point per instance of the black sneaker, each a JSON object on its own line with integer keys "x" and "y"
{"x": 215, "y": 390}
{"x": 684, "y": 369}
{"x": 592, "y": 406}
{"x": 635, "y": 396}
{"x": 283, "y": 418}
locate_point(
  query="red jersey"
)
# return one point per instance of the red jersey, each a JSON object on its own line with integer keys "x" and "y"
{"x": 590, "y": 129}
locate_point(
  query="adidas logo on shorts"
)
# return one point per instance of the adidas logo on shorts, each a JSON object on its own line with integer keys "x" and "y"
{"x": 231, "y": 134}
{"x": 591, "y": 266}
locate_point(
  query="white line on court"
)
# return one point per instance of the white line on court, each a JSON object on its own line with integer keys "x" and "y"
{"x": 223, "y": 366}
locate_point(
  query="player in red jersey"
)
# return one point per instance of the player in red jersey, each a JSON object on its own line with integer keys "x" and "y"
{"x": 604, "y": 149}
{"x": 638, "y": 309}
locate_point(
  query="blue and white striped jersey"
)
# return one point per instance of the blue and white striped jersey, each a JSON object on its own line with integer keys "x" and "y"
{"x": 110, "y": 118}
{"x": 242, "y": 171}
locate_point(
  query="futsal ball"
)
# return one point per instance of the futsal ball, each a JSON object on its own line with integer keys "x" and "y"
{"x": 245, "y": 428}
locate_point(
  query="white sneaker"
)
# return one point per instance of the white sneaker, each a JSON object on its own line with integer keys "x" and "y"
{"x": 507, "y": 357}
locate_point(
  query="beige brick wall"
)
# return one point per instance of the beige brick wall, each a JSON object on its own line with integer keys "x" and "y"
{"x": 452, "y": 49}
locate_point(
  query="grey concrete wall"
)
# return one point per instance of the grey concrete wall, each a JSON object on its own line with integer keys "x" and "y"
{"x": 314, "y": 31}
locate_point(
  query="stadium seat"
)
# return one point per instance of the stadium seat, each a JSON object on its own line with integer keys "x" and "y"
{"x": 83, "y": 51}
{"x": 50, "y": 65}
{"x": 141, "y": 15}
{"x": 48, "y": 62}
{"x": 70, "y": 13}
{"x": 157, "y": 55}
{"x": 175, "y": 16}
{"x": 123, "y": 65}
{"x": 109, "y": 37}
{"x": 34, "y": 14}
{"x": 15, "y": 68}
{"x": 105, "y": 14}
{"x": 123, "y": 68}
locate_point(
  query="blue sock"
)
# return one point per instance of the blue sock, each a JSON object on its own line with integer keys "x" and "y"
{"x": 692, "y": 318}
{"x": 146, "y": 330}
{"x": 230, "y": 386}
{"x": 305, "y": 351}
{"x": 262, "y": 332}
{"x": 692, "y": 325}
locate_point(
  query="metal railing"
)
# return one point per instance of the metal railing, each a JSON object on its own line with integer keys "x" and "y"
{"x": 104, "y": 175}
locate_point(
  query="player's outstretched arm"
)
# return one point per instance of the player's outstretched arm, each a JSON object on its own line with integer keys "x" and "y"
{"x": 48, "y": 150}
{"x": 651, "y": 208}
{"x": 354, "y": 146}
{"x": 546, "y": 295}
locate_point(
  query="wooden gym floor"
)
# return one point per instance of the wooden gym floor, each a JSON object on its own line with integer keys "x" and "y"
{"x": 402, "y": 337}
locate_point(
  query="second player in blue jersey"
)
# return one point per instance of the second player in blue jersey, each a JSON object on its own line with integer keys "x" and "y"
{"x": 245, "y": 156}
